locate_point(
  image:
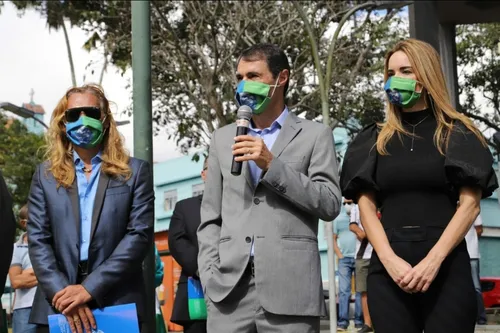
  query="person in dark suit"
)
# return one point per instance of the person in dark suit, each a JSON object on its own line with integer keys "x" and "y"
{"x": 7, "y": 233}
{"x": 91, "y": 215}
{"x": 183, "y": 244}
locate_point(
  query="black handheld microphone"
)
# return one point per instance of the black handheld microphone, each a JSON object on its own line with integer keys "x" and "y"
{"x": 243, "y": 117}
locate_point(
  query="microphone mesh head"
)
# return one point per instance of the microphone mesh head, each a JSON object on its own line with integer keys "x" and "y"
{"x": 244, "y": 112}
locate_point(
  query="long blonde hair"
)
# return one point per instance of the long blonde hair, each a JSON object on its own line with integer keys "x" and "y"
{"x": 426, "y": 65}
{"x": 59, "y": 150}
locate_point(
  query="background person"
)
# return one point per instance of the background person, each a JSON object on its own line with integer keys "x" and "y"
{"x": 363, "y": 255}
{"x": 7, "y": 234}
{"x": 344, "y": 242}
{"x": 23, "y": 280}
{"x": 183, "y": 244}
{"x": 472, "y": 240}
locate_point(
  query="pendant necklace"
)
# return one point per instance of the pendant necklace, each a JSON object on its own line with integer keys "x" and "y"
{"x": 413, "y": 133}
{"x": 87, "y": 170}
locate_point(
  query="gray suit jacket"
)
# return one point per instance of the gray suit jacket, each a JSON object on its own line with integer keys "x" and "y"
{"x": 280, "y": 215}
{"x": 121, "y": 234}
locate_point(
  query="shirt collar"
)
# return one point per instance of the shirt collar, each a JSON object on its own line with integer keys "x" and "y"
{"x": 278, "y": 122}
{"x": 96, "y": 159}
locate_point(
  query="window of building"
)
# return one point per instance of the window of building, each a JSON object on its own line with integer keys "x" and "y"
{"x": 170, "y": 199}
{"x": 198, "y": 189}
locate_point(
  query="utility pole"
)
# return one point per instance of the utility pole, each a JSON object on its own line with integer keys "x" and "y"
{"x": 332, "y": 292}
{"x": 143, "y": 131}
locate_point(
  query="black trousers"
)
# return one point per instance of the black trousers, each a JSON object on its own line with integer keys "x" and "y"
{"x": 195, "y": 327}
{"x": 448, "y": 306}
{"x": 42, "y": 329}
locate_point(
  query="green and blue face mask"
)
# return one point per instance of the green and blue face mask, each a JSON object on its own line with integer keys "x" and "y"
{"x": 86, "y": 131}
{"x": 402, "y": 91}
{"x": 255, "y": 94}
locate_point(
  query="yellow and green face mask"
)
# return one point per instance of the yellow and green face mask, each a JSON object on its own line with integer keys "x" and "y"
{"x": 255, "y": 95}
{"x": 402, "y": 91}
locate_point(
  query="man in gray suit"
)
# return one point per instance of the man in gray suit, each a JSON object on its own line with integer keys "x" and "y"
{"x": 258, "y": 250}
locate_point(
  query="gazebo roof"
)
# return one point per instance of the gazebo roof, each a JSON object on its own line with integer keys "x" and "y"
{"x": 468, "y": 12}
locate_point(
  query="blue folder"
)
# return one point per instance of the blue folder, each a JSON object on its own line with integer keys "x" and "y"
{"x": 119, "y": 319}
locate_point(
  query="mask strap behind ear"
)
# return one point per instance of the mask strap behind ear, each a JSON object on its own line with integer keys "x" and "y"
{"x": 103, "y": 122}
{"x": 421, "y": 87}
{"x": 276, "y": 85}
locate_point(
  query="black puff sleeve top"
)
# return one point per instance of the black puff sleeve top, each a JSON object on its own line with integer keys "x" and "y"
{"x": 415, "y": 185}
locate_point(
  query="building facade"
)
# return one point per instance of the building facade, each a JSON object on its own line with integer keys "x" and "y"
{"x": 31, "y": 124}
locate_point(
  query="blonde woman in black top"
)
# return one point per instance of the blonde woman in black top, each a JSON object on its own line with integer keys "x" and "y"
{"x": 415, "y": 167}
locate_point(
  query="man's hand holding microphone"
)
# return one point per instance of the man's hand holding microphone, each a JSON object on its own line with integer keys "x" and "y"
{"x": 247, "y": 147}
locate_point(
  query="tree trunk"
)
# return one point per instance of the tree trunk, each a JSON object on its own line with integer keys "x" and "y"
{"x": 104, "y": 67}
{"x": 70, "y": 56}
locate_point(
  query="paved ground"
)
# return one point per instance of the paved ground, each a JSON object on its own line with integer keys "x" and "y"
{"x": 492, "y": 314}
{"x": 325, "y": 328}
{"x": 489, "y": 328}
{"x": 486, "y": 329}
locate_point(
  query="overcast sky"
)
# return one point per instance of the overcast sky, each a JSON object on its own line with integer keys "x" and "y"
{"x": 32, "y": 57}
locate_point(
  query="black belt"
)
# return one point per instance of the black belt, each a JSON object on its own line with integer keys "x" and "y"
{"x": 83, "y": 270}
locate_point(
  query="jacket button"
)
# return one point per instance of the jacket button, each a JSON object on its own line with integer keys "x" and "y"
{"x": 248, "y": 239}
{"x": 281, "y": 189}
{"x": 256, "y": 201}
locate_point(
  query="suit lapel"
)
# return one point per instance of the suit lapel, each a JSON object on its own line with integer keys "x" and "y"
{"x": 290, "y": 129}
{"x": 99, "y": 200}
{"x": 75, "y": 204}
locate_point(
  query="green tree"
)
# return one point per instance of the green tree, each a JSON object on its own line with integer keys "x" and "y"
{"x": 19, "y": 155}
{"x": 195, "y": 47}
{"x": 478, "y": 60}
{"x": 349, "y": 65}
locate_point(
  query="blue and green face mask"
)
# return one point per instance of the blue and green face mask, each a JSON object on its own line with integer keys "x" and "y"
{"x": 86, "y": 132}
{"x": 255, "y": 95}
{"x": 402, "y": 91}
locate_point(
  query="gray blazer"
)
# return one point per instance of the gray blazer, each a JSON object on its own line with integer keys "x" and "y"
{"x": 280, "y": 214}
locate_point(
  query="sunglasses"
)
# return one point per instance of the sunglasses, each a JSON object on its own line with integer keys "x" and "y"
{"x": 73, "y": 114}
